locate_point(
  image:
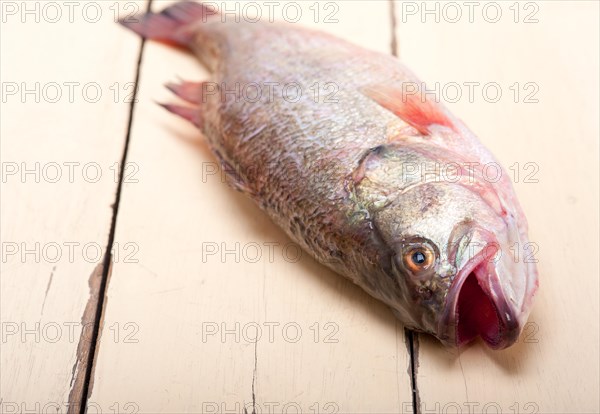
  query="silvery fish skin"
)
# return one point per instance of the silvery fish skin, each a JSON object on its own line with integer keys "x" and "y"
{"x": 324, "y": 136}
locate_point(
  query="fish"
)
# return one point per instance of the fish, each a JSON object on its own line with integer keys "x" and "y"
{"x": 341, "y": 148}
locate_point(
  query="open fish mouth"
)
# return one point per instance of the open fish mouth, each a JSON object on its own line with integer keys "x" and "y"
{"x": 476, "y": 306}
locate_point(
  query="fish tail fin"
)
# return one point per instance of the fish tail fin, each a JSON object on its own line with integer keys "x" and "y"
{"x": 172, "y": 24}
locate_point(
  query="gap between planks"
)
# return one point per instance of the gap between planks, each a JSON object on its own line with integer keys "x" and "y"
{"x": 106, "y": 265}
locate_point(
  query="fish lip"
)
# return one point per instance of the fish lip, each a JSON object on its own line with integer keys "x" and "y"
{"x": 482, "y": 266}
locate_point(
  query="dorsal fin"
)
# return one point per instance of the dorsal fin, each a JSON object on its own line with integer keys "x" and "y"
{"x": 413, "y": 108}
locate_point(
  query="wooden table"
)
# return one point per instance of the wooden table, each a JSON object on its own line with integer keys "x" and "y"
{"x": 168, "y": 321}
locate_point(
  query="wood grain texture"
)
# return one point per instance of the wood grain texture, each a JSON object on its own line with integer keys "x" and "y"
{"x": 554, "y": 367}
{"x": 62, "y": 129}
{"x": 213, "y": 270}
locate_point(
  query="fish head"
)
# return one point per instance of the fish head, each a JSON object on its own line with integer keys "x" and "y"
{"x": 455, "y": 256}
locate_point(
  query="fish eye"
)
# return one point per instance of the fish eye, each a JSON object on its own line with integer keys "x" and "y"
{"x": 418, "y": 258}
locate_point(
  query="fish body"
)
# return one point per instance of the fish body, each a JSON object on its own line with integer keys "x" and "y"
{"x": 325, "y": 137}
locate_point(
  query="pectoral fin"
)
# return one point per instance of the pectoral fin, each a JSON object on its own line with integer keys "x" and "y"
{"x": 412, "y": 107}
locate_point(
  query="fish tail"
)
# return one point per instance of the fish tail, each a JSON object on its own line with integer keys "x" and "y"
{"x": 172, "y": 25}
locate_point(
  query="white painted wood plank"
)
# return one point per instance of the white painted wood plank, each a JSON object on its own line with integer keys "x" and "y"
{"x": 56, "y": 219}
{"x": 554, "y": 366}
{"x": 181, "y": 303}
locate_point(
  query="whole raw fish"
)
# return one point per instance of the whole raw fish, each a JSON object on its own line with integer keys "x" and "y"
{"x": 336, "y": 144}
